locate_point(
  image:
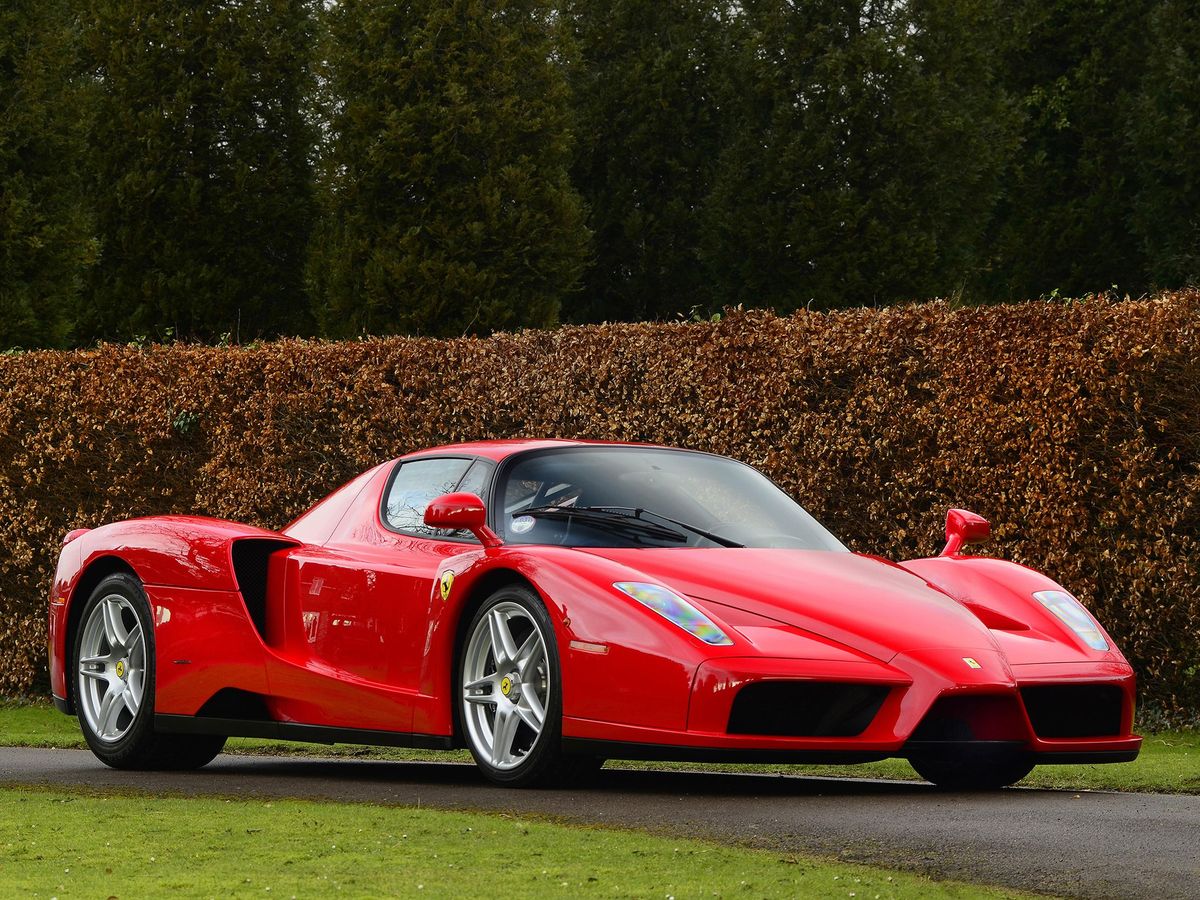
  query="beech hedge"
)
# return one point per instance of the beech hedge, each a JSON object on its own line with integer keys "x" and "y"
{"x": 1073, "y": 426}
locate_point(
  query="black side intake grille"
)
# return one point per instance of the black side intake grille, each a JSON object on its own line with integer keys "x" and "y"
{"x": 805, "y": 708}
{"x": 251, "y": 556}
{"x": 1074, "y": 710}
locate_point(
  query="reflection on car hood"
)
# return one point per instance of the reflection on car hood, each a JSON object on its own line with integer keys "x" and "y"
{"x": 863, "y": 602}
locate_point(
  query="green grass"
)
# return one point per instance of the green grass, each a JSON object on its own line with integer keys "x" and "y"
{"x": 1169, "y": 761}
{"x": 41, "y": 725}
{"x": 93, "y": 845}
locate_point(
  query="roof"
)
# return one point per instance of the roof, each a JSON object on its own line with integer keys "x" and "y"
{"x": 499, "y": 449}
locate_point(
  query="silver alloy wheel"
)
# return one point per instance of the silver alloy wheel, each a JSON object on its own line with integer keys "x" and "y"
{"x": 112, "y": 667}
{"x": 506, "y": 685}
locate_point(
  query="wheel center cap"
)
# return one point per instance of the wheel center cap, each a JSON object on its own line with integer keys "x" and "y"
{"x": 508, "y": 687}
{"x": 120, "y": 668}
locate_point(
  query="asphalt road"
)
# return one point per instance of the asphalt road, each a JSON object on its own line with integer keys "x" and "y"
{"x": 1075, "y": 844}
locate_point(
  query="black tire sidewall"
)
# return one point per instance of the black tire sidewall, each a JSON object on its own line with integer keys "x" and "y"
{"x": 541, "y": 764}
{"x": 139, "y": 739}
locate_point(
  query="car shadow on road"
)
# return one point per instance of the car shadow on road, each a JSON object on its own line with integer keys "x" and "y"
{"x": 393, "y": 774}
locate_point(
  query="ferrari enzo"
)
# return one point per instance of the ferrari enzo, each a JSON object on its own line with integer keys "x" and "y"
{"x": 552, "y": 604}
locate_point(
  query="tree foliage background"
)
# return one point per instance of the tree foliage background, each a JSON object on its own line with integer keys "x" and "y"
{"x": 253, "y": 168}
{"x": 47, "y": 242}
{"x": 197, "y": 164}
{"x": 449, "y": 204}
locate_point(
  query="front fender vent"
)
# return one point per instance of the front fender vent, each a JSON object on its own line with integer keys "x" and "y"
{"x": 805, "y": 708}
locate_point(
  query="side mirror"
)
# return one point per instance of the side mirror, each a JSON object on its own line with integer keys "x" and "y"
{"x": 964, "y": 527}
{"x": 457, "y": 511}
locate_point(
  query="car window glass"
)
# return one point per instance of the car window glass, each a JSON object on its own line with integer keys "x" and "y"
{"x": 476, "y": 479}
{"x": 474, "y": 482}
{"x": 725, "y": 497}
{"x": 520, "y": 493}
{"x": 414, "y": 486}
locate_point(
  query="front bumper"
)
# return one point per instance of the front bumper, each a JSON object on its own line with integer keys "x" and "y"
{"x": 937, "y": 704}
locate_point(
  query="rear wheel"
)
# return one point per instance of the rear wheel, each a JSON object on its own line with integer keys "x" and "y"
{"x": 510, "y": 696}
{"x": 972, "y": 775}
{"x": 114, "y": 684}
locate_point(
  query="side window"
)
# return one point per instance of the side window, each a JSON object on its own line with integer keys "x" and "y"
{"x": 414, "y": 485}
{"x": 476, "y": 479}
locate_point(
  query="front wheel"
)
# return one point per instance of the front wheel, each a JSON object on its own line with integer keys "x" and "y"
{"x": 114, "y": 684}
{"x": 973, "y": 775}
{"x": 510, "y": 692}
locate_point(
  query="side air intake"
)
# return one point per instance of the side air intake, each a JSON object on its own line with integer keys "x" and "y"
{"x": 251, "y": 556}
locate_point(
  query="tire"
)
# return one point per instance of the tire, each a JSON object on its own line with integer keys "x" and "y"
{"x": 972, "y": 775}
{"x": 112, "y": 662}
{"x": 509, "y": 702}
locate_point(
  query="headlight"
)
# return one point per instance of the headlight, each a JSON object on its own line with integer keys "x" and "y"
{"x": 674, "y": 608}
{"x": 1074, "y": 616}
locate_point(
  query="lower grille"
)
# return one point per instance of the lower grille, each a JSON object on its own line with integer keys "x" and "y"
{"x": 973, "y": 717}
{"x": 805, "y": 708}
{"x": 1074, "y": 710}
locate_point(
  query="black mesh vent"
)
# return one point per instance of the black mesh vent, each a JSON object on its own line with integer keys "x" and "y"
{"x": 250, "y": 559}
{"x": 805, "y": 708}
{"x": 1074, "y": 710}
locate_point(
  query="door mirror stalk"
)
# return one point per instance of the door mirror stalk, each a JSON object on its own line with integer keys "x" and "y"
{"x": 964, "y": 527}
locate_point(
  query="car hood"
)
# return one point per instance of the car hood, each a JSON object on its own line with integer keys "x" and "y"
{"x": 869, "y": 604}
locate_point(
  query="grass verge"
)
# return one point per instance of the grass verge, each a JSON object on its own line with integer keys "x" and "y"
{"x": 99, "y": 845}
{"x": 1169, "y": 761}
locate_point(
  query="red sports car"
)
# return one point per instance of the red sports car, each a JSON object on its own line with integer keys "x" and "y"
{"x": 551, "y": 604}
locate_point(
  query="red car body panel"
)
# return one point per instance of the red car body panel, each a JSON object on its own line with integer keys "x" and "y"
{"x": 349, "y": 629}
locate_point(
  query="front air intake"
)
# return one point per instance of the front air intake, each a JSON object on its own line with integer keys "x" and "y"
{"x": 805, "y": 708}
{"x": 1074, "y": 710}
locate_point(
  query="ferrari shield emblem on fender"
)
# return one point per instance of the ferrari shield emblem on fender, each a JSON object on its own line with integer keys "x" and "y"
{"x": 971, "y": 662}
{"x": 447, "y": 583}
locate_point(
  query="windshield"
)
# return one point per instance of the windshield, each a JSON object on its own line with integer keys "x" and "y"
{"x": 646, "y": 497}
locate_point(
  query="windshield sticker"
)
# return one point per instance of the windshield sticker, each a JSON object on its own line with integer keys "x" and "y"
{"x": 522, "y": 524}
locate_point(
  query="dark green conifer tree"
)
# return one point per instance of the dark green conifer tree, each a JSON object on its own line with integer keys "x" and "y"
{"x": 1163, "y": 137}
{"x": 650, "y": 130}
{"x": 1075, "y": 67}
{"x": 199, "y": 166}
{"x": 867, "y": 152}
{"x": 45, "y": 239}
{"x": 449, "y": 204}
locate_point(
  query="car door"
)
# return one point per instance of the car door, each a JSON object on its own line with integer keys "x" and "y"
{"x": 364, "y": 597}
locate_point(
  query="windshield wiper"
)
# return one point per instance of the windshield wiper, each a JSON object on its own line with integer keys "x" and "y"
{"x": 637, "y": 511}
{"x": 603, "y": 518}
{"x": 630, "y": 514}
